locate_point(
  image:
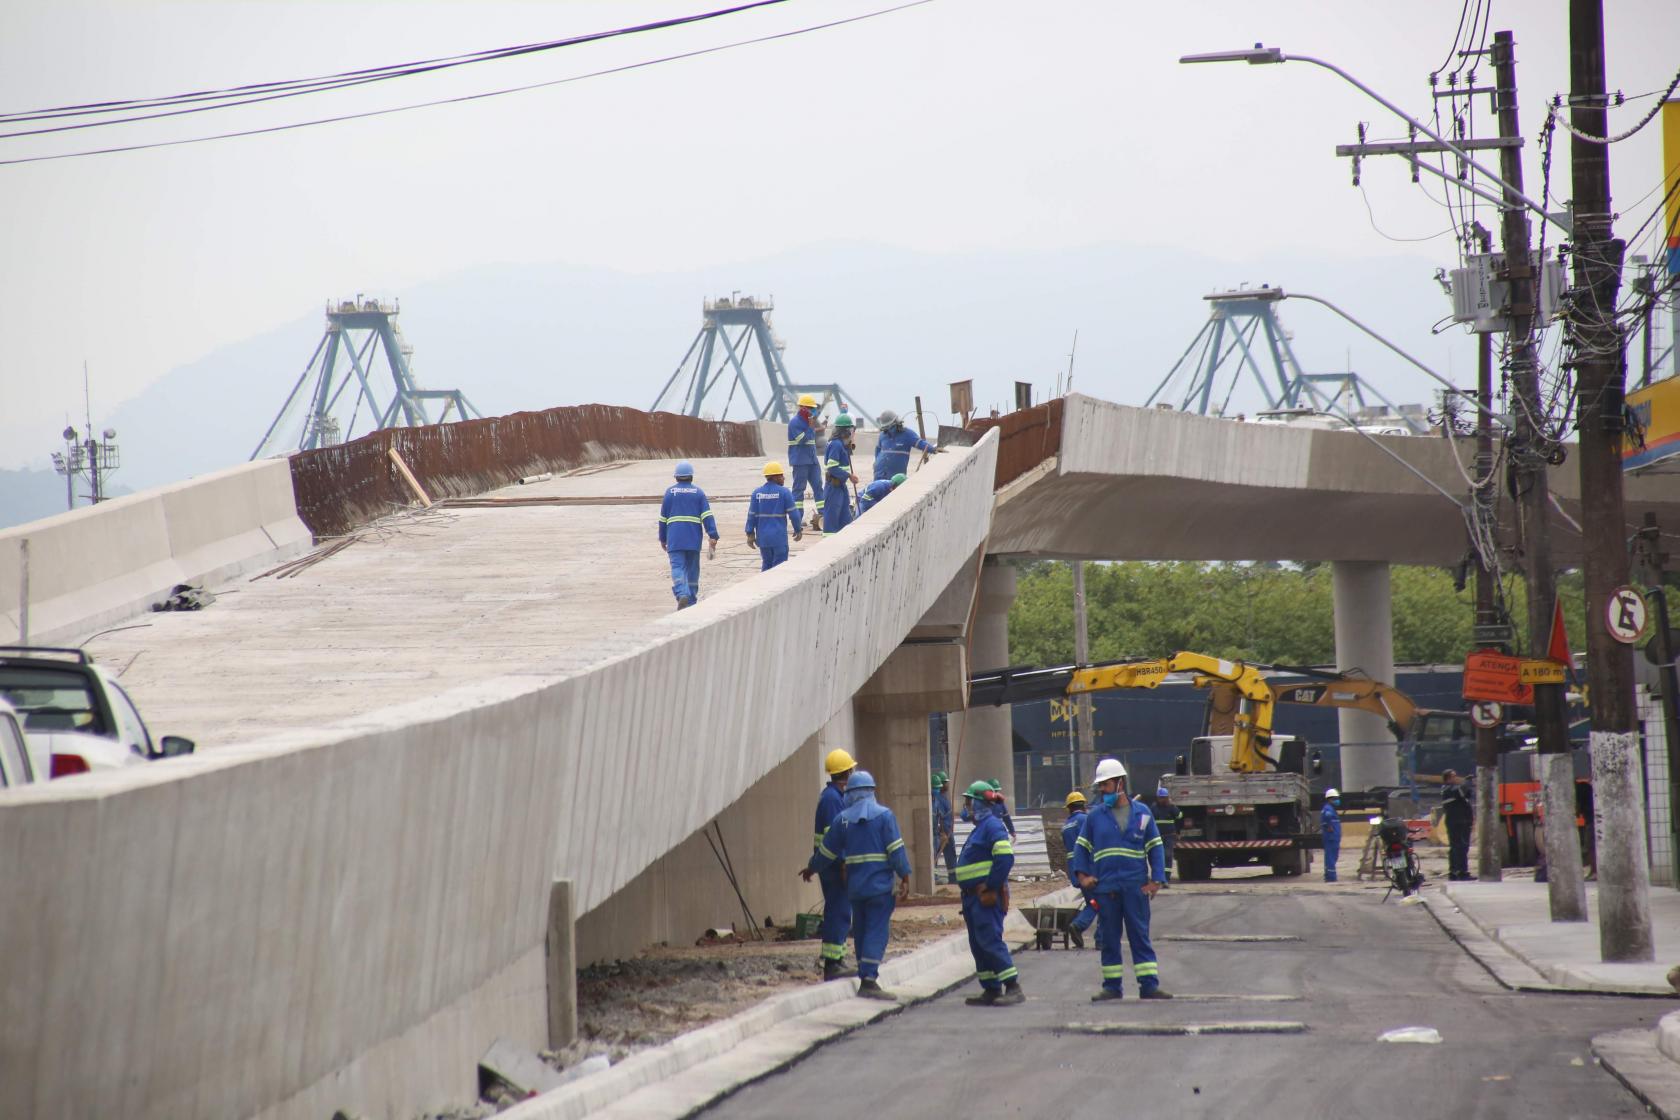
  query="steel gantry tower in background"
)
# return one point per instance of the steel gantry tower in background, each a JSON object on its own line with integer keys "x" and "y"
{"x": 713, "y": 355}
{"x": 1225, "y": 347}
{"x": 376, "y": 324}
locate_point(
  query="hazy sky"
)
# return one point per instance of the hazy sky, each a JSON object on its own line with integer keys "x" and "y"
{"x": 955, "y": 125}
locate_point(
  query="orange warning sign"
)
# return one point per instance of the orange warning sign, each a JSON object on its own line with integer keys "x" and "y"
{"x": 1495, "y": 676}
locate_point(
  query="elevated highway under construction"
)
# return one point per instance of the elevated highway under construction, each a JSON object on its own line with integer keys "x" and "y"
{"x": 472, "y": 749}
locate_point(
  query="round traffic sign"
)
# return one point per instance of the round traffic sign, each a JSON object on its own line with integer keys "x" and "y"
{"x": 1626, "y": 615}
{"x": 1487, "y": 713}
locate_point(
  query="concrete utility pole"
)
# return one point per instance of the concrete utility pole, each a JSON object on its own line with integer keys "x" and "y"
{"x": 1488, "y": 832}
{"x": 1624, "y": 873}
{"x": 1567, "y": 892}
{"x": 1085, "y": 739}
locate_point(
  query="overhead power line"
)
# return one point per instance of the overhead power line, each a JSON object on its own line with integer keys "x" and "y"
{"x": 464, "y": 98}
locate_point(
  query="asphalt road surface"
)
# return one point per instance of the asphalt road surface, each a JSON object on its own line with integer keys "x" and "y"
{"x": 1342, "y": 966}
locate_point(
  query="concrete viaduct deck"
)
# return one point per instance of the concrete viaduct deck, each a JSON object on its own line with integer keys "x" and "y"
{"x": 351, "y": 890}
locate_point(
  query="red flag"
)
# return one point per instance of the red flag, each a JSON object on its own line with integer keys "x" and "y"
{"x": 1558, "y": 648}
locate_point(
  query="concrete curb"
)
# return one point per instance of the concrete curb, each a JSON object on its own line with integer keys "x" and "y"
{"x": 1510, "y": 970}
{"x": 717, "y": 1060}
{"x": 1636, "y": 1060}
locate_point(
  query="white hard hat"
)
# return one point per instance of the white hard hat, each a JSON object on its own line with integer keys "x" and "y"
{"x": 1332, "y": 792}
{"x": 1108, "y": 768}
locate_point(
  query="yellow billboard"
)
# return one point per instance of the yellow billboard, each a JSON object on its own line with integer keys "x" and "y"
{"x": 1657, "y": 408}
{"x": 1671, "y": 178}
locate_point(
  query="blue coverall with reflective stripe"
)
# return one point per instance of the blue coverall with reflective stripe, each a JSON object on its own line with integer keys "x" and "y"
{"x": 942, "y": 826}
{"x": 768, "y": 512}
{"x": 837, "y": 500}
{"x": 871, "y": 495}
{"x": 1123, "y": 860}
{"x": 1330, "y": 827}
{"x": 892, "y": 451}
{"x": 837, "y": 908}
{"x": 872, "y": 852}
{"x": 1070, "y": 840}
{"x": 802, "y": 458}
{"x": 685, "y": 517}
{"x": 986, "y": 858}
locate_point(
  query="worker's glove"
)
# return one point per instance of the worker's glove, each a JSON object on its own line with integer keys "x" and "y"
{"x": 752, "y": 541}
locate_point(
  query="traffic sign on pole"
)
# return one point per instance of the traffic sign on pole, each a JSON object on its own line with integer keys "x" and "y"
{"x": 1627, "y": 615}
{"x": 1495, "y": 676}
{"x": 1487, "y": 713}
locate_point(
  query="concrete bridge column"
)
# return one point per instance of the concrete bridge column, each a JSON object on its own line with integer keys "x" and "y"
{"x": 892, "y": 712}
{"x": 982, "y": 739}
{"x": 1365, "y": 640}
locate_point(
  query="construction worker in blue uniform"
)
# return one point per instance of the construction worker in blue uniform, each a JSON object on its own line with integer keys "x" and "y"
{"x": 769, "y": 510}
{"x": 802, "y": 457}
{"x": 864, "y": 839}
{"x": 1167, "y": 818}
{"x": 944, "y": 827}
{"x": 871, "y": 495}
{"x": 1330, "y": 828}
{"x": 837, "y": 905}
{"x": 1118, "y": 856}
{"x": 685, "y": 516}
{"x": 983, "y": 874}
{"x": 1000, "y": 808}
{"x": 892, "y": 452}
{"x": 837, "y": 511}
{"x": 1076, "y": 807}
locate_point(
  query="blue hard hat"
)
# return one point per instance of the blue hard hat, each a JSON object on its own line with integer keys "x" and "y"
{"x": 685, "y": 469}
{"x": 860, "y": 779}
{"x": 1162, "y": 792}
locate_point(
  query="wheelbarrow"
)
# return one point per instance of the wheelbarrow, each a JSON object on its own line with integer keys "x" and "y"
{"x": 1049, "y": 922}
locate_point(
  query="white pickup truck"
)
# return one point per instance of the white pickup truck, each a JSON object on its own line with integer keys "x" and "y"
{"x": 76, "y": 712}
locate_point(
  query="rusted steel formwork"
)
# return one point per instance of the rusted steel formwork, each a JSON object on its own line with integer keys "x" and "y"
{"x": 1026, "y": 438}
{"x": 340, "y": 487}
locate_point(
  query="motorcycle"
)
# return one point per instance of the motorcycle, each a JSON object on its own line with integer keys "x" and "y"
{"x": 1399, "y": 861}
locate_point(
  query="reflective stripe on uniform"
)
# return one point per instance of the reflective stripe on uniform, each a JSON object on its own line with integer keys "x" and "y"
{"x": 1154, "y": 842}
{"x": 832, "y": 952}
{"x": 1008, "y": 974}
{"x": 1109, "y": 971}
{"x": 1002, "y": 848}
{"x": 969, "y": 871}
{"x": 868, "y": 857}
{"x": 1118, "y": 853}
{"x": 1147, "y": 968}
{"x": 825, "y": 853}
{"x": 686, "y": 519}
{"x": 894, "y": 846}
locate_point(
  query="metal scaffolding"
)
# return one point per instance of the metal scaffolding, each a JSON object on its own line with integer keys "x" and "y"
{"x": 713, "y": 354}
{"x": 376, "y": 324}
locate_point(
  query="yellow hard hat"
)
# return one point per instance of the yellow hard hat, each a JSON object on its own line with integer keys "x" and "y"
{"x": 806, "y": 400}
{"x": 772, "y": 469}
{"x": 838, "y": 762}
{"x": 1074, "y": 798}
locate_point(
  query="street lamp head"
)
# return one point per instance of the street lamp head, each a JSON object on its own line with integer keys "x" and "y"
{"x": 1260, "y": 55}
{"x": 110, "y": 433}
{"x": 70, "y": 435}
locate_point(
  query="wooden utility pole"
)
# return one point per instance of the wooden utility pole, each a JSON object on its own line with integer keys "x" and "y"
{"x": 1597, "y": 348}
{"x": 1489, "y": 834}
{"x": 1530, "y": 451}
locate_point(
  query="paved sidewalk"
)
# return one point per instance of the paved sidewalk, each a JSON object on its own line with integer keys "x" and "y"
{"x": 1515, "y": 915}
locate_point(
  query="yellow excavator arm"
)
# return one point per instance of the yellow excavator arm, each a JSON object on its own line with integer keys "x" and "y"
{"x": 1358, "y": 693}
{"x": 1250, "y": 712}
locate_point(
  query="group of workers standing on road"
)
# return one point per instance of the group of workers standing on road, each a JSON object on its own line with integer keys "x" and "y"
{"x": 686, "y": 519}
{"x": 1116, "y": 854}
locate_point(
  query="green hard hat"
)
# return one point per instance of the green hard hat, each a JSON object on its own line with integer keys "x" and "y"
{"x": 844, "y": 420}
{"x": 898, "y": 480}
{"x": 938, "y": 780}
{"x": 980, "y": 789}
{"x": 996, "y": 785}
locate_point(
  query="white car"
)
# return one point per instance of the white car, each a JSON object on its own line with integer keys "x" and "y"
{"x": 75, "y": 711}
{"x": 21, "y": 761}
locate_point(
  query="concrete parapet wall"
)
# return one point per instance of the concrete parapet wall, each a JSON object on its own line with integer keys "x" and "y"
{"x": 102, "y": 563}
{"x": 346, "y": 918}
{"x": 350, "y": 484}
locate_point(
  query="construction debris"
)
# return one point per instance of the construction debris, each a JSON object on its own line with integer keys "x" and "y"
{"x": 186, "y": 597}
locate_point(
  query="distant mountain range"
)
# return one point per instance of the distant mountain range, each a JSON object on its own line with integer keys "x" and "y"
{"x": 886, "y": 323}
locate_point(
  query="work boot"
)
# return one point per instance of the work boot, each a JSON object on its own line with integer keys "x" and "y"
{"x": 816, "y": 521}
{"x": 1155, "y": 993}
{"x": 1077, "y": 938}
{"x": 870, "y": 989}
{"x": 685, "y": 602}
{"x": 836, "y": 970}
{"x": 1105, "y": 995}
{"x": 1012, "y": 995}
{"x": 984, "y": 999}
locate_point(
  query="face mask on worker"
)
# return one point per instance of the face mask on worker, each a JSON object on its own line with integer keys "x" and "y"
{"x": 1111, "y": 799}
{"x": 978, "y": 809}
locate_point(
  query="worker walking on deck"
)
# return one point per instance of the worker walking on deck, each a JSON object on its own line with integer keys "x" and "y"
{"x": 864, "y": 839}
{"x": 837, "y": 906}
{"x": 802, "y": 457}
{"x": 838, "y": 476}
{"x": 870, "y": 496}
{"x": 1330, "y": 828}
{"x": 983, "y": 873}
{"x": 685, "y": 516}
{"x": 943, "y": 827}
{"x": 1118, "y": 856}
{"x": 1167, "y": 817}
{"x": 1076, "y": 807}
{"x": 892, "y": 452}
{"x": 769, "y": 510}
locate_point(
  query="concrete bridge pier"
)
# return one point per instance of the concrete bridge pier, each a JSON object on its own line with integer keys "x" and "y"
{"x": 1365, "y": 640}
{"x": 892, "y": 712}
{"x": 982, "y": 739}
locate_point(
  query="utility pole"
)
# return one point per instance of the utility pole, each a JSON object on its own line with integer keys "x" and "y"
{"x": 1596, "y": 342}
{"x": 1084, "y": 742}
{"x": 1530, "y": 455}
{"x": 1488, "y": 832}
